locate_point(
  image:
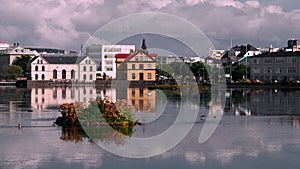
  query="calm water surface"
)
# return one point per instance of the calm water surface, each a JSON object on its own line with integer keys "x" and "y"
{"x": 259, "y": 129}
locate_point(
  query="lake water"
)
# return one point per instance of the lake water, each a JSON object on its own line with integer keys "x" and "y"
{"x": 259, "y": 129}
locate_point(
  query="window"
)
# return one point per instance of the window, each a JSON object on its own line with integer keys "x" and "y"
{"x": 279, "y": 60}
{"x": 54, "y": 74}
{"x": 136, "y": 58}
{"x": 91, "y": 68}
{"x": 36, "y": 68}
{"x": 64, "y": 74}
{"x": 292, "y": 70}
{"x": 268, "y": 61}
{"x": 149, "y": 66}
{"x": 72, "y": 74}
{"x": 91, "y": 77}
{"x": 279, "y": 70}
{"x": 86, "y": 61}
{"x": 36, "y": 77}
{"x": 291, "y": 60}
{"x": 268, "y": 70}
{"x": 43, "y": 77}
{"x": 133, "y": 66}
{"x": 141, "y": 66}
{"x": 133, "y": 92}
{"x": 43, "y": 68}
{"x": 109, "y": 62}
{"x": 149, "y": 75}
{"x": 133, "y": 75}
{"x": 141, "y": 92}
{"x": 54, "y": 94}
{"x": 38, "y": 61}
{"x": 89, "y": 61}
{"x": 109, "y": 69}
{"x": 256, "y": 70}
{"x": 142, "y": 58}
{"x": 84, "y": 77}
{"x": 41, "y": 61}
{"x": 84, "y": 68}
{"x": 63, "y": 93}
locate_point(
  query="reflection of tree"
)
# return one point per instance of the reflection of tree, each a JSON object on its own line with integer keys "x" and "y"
{"x": 72, "y": 133}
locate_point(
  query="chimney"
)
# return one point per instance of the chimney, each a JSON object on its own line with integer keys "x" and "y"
{"x": 144, "y": 47}
{"x": 271, "y": 49}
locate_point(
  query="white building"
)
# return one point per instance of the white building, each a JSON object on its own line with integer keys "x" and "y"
{"x": 62, "y": 68}
{"x": 105, "y": 56}
{"x": 4, "y": 45}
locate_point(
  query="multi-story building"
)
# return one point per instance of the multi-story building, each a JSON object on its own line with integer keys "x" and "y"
{"x": 104, "y": 55}
{"x": 281, "y": 66}
{"x": 138, "y": 66}
{"x": 62, "y": 68}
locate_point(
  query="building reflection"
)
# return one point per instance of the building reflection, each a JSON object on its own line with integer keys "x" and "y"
{"x": 267, "y": 102}
{"x": 47, "y": 98}
{"x": 142, "y": 99}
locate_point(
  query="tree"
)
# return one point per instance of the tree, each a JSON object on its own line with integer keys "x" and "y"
{"x": 22, "y": 61}
{"x": 199, "y": 70}
{"x": 12, "y": 72}
{"x": 239, "y": 72}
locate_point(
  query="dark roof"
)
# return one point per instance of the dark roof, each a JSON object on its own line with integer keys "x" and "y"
{"x": 61, "y": 59}
{"x": 278, "y": 54}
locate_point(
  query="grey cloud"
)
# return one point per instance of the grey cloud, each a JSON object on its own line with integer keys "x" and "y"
{"x": 67, "y": 24}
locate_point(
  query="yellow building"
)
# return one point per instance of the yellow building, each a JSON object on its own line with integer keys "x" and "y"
{"x": 137, "y": 66}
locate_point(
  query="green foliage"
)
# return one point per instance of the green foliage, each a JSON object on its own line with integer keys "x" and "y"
{"x": 12, "y": 72}
{"x": 199, "y": 69}
{"x": 22, "y": 61}
{"x": 239, "y": 72}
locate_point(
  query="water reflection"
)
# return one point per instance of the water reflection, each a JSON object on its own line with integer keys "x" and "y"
{"x": 259, "y": 102}
{"x": 267, "y": 138}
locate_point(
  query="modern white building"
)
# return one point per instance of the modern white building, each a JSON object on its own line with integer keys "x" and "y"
{"x": 63, "y": 68}
{"x": 104, "y": 55}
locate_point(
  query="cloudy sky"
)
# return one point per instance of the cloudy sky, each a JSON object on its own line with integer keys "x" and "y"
{"x": 69, "y": 23}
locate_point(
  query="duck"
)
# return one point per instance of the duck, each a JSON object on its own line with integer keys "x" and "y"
{"x": 19, "y": 125}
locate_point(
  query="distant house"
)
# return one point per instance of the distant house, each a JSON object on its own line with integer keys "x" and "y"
{"x": 62, "y": 68}
{"x": 239, "y": 54}
{"x": 9, "y": 53}
{"x": 137, "y": 66}
{"x": 281, "y": 66}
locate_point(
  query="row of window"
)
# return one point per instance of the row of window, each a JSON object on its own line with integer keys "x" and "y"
{"x": 141, "y": 66}
{"x": 37, "y": 68}
{"x": 43, "y": 68}
{"x": 133, "y": 76}
{"x": 84, "y": 68}
{"x": 278, "y": 70}
{"x": 141, "y": 58}
{"x": 278, "y": 60}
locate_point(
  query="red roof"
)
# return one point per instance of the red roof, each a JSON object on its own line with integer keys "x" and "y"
{"x": 122, "y": 55}
{"x": 152, "y": 55}
{"x": 125, "y": 55}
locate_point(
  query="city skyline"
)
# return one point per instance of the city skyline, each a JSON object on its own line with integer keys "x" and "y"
{"x": 68, "y": 24}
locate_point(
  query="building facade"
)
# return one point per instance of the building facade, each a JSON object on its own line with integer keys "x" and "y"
{"x": 62, "y": 68}
{"x": 280, "y": 66}
{"x": 104, "y": 55}
{"x": 138, "y": 66}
